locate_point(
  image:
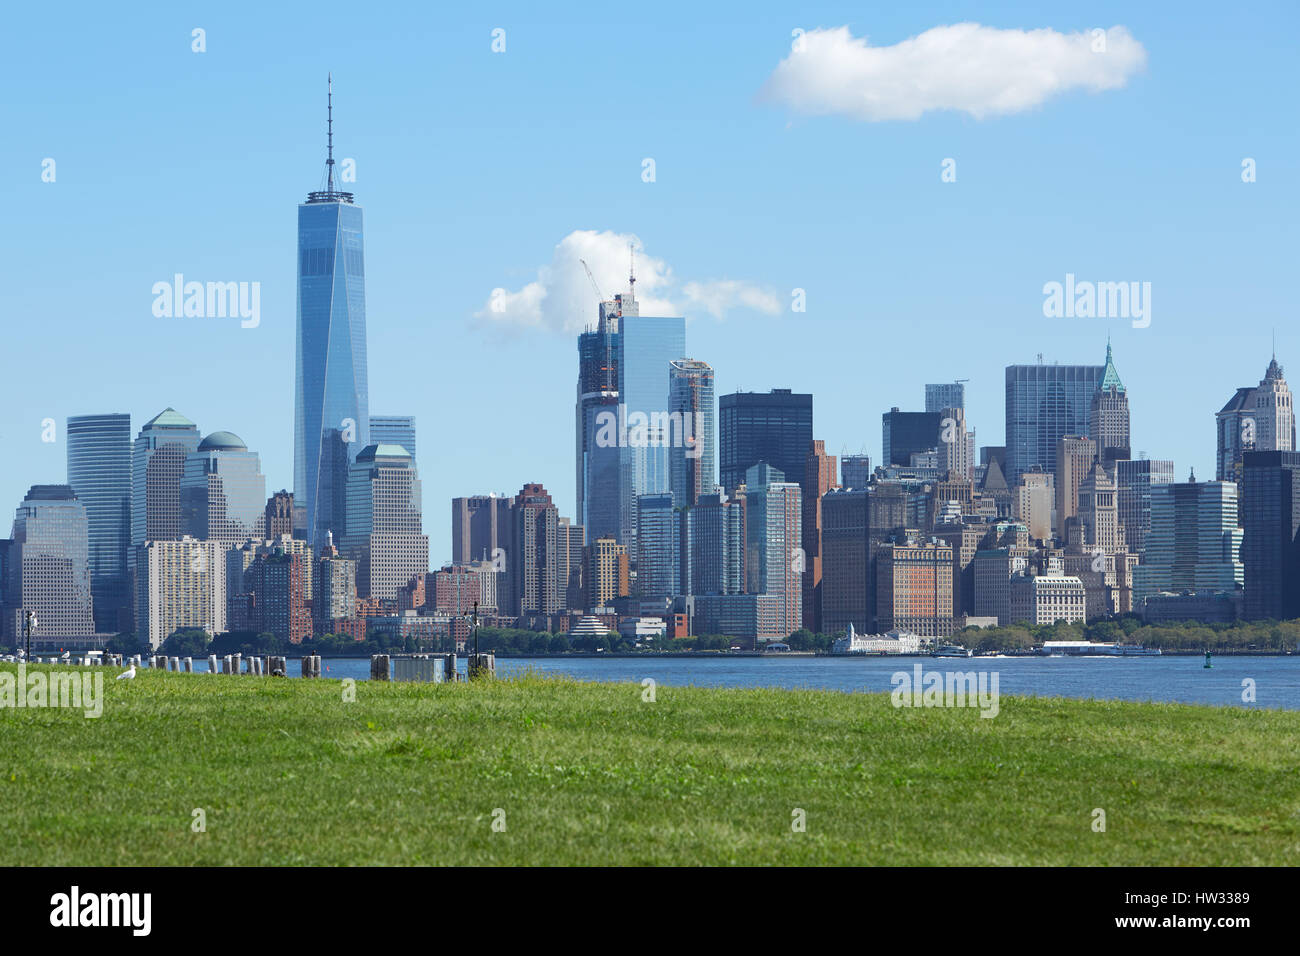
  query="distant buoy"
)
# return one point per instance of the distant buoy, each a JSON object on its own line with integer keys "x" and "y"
{"x": 1207, "y": 664}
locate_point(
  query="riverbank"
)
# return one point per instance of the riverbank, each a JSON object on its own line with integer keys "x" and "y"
{"x": 289, "y": 772}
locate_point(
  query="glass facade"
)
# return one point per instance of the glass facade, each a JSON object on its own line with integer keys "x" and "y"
{"x": 647, "y": 346}
{"x": 693, "y": 448}
{"x": 99, "y": 473}
{"x": 223, "y": 491}
{"x": 773, "y": 427}
{"x": 1044, "y": 403}
{"x": 157, "y": 465}
{"x": 394, "y": 430}
{"x": 50, "y": 571}
{"x": 904, "y": 434}
{"x": 1136, "y": 478}
{"x": 331, "y": 392}
{"x": 945, "y": 395}
{"x": 1194, "y": 542}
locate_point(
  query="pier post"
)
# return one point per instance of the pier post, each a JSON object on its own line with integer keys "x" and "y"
{"x": 482, "y": 665}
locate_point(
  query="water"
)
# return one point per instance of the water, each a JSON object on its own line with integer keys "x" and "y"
{"x": 1169, "y": 678}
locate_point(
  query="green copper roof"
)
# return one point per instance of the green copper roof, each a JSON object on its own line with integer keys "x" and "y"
{"x": 1111, "y": 378}
{"x": 382, "y": 450}
{"x": 169, "y": 418}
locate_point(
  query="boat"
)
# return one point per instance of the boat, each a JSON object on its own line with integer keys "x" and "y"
{"x": 1096, "y": 649}
{"x": 951, "y": 650}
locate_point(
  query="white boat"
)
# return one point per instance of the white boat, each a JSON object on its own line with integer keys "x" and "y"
{"x": 951, "y": 650}
{"x": 1096, "y": 649}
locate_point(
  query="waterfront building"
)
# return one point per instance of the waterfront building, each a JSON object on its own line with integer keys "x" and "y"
{"x": 659, "y": 543}
{"x": 1271, "y": 521}
{"x": 774, "y": 562}
{"x": 1038, "y": 599}
{"x": 749, "y": 619}
{"x": 914, "y": 588}
{"x": 180, "y": 584}
{"x": 335, "y": 597}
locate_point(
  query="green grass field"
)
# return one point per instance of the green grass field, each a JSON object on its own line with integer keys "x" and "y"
{"x": 287, "y": 772}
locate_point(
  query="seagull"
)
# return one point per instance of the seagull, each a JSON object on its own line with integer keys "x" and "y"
{"x": 66, "y": 655}
{"x": 128, "y": 674}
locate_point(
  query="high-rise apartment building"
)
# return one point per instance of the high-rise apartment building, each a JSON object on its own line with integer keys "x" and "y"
{"x": 99, "y": 473}
{"x": 716, "y": 531}
{"x": 818, "y": 478}
{"x": 180, "y": 584}
{"x": 607, "y": 572}
{"x": 570, "y": 580}
{"x": 773, "y": 543}
{"x": 658, "y": 540}
{"x": 532, "y": 556}
{"x": 279, "y": 514}
{"x": 335, "y": 596}
{"x": 331, "y": 394}
{"x": 773, "y": 427}
{"x": 1044, "y": 403}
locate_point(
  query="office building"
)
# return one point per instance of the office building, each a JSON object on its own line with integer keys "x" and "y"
{"x": 855, "y": 471}
{"x": 716, "y": 530}
{"x": 331, "y": 391}
{"x": 904, "y": 434}
{"x": 598, "y": 460}
{"x": 1075, "y": 456}
{"x": 818, "y": 478}
{"x": 1044, "y": 403}
{"x": 394, "y": 430}
{"x": 771, "y": 427}
{"x": 693, "y": 451}
{"x": 99, "y": 473}
{"x": 659, "y": 542}
{"x": 279, "y": 514}
{"x": 1108, "y": 418}
{"x": 157, "y": 467}
{"x": 1136, "y": 479}
{"x": 48, "y": 568}
{"x": 383, "y": 524}
{"x": 533, "y": 558}
{"x": 223, "y": 492}
{"x": 914, "y": 588}
{"x": 945, "y": 395}
{"x": 1039, "y": 599}
{"x": 1271, "y": 519}
{"x": 1194, "y": 541}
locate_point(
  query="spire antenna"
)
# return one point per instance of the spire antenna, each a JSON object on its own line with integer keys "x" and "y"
{"x": 329, "y": 105}
{"x": 631, "y": 278}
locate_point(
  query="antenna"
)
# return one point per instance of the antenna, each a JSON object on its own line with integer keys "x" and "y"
{"x": 631, "y": 278}
{"x": 329, "y": 162}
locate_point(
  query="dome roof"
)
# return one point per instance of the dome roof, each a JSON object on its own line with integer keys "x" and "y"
{"x": 223, "y": 441}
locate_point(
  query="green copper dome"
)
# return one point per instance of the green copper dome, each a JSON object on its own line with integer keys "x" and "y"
{"x": 1111, "y": 377}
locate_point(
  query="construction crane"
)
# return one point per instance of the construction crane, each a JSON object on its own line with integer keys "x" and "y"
{"x": 599, "y": 297}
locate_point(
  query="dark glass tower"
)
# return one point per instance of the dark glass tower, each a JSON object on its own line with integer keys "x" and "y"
{"x": 773, "y": 427}
{"x": 99, "y": 473}
{"x": 1044, "y": 403}
{"x": 332, "y": 412}
{"x": 1270, "y": 549}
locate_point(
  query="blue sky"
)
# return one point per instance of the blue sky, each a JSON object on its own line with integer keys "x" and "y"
{"x": 472, "y": 166}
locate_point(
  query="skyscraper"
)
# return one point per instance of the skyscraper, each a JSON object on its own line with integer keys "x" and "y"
{"x": 394, "y": 430}
{"x": 906, "y": 433}
{"x": 223, "y": 492}
{"x": 716, "y": 544}
{"x": 1274, "y": 412}
{"x": 533, "y": 556}
{"x": 383, "y": 527}
{"x": 1043, "y": 404}
{"x": 647, "y": 347}
{"x": 1194, "y": 542}
{"x": 773, "y": 427}
{"x": 818, "y": 478}
{"x": 693, "y": 451}
{"x": 855, "y": 471}
{"x": 1108, "y": 420}
{"x": 50, "y": 570}
{"x": 1270, "y": 547}
{"x": 1137, "y": 479}
{"x": 179, "y": 583}
{"x": 157, "y": 467}
{"x": 773, "y": 537}
{"x": 659, "y": 540}
{"x": 945, "y": 395}
{"x": 332, "y": 410}
{"x": 1075, "y": 456}
{"x": 598, "y": 458}
{"x": 99, "y": 473}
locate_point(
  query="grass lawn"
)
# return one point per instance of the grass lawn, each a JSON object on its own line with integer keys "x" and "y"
{"x": 288, "y": 772}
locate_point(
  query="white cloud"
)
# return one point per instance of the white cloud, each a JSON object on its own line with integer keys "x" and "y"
{"x": 718, "y": 296}
{"x": 975, "y": 69}
{"x": 561, "y": 298}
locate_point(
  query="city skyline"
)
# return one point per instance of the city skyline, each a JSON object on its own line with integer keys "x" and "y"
{"x": 946, "y": 283}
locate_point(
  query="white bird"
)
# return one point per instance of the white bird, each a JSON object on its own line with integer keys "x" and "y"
{"x": 66, "y": 655}
{"x": 128, "y": 674}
